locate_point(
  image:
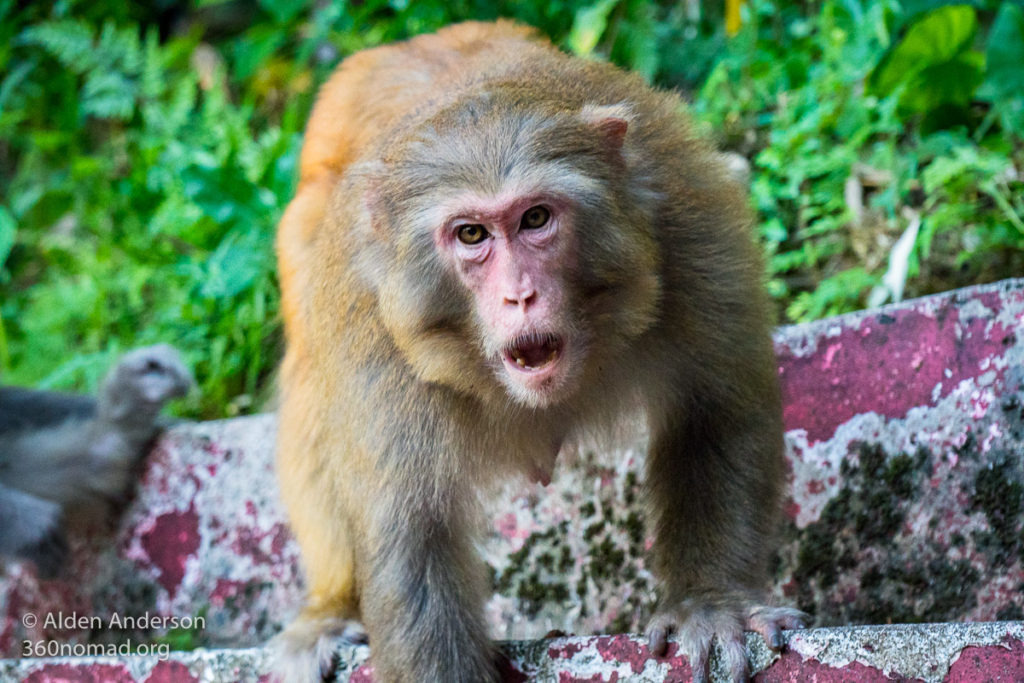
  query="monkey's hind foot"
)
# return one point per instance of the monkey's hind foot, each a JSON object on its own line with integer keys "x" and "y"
{"x": 305, "y": 651}
{"x": 695, "y": 624}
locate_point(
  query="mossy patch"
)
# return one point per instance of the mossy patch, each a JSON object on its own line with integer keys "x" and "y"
{"x": 855, "y": 548}
{"x": 545, "y": 570}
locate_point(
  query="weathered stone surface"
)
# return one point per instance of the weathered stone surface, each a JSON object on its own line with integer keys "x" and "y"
{"x": 907, "y": 462}
{"x": 932, "y": 653}
{"x": 905, "y": 440}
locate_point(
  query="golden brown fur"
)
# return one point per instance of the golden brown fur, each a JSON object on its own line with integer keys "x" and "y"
{"x": 395, "y": 411}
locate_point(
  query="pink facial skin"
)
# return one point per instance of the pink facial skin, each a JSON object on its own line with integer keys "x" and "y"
{"x": 516, "y": 275}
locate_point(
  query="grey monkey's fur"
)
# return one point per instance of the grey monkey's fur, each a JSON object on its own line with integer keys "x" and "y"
{"x": 62, "y": 453}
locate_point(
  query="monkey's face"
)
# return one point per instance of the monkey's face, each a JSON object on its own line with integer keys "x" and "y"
{"x": 512, "y": 252}
{"x": 508, "y": 248}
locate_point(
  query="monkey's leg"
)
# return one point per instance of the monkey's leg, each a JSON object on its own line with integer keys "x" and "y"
{"x": 423, "y": 590}
{"x": 305, "y": 650}
{"x": 714, "y": 477}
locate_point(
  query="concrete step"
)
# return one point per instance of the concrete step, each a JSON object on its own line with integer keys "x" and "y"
{"x": 931, "y": 653}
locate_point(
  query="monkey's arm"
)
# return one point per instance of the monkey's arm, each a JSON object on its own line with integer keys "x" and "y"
{"x": 43, "y": 472}
{"x": 423, "y": 589}
{"x": 714, "y": 475}
{"x": 55, "y": 463}
{"x": 386, "y": 519}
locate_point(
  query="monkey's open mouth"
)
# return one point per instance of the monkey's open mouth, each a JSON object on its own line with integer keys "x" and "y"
{"x": 532, "y": 352}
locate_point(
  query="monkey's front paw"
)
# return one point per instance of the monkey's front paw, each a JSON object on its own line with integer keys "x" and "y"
{"x": 695, "y": 624}
{"x": 305, "y": 651}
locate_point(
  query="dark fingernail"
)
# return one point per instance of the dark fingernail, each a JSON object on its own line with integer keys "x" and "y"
{"x": 777, "y": 641}
{"x": 656, "y": 643}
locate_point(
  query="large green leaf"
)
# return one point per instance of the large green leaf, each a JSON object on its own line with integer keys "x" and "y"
{"x": 952, "y": 82}
{"x": 936, "y": 39}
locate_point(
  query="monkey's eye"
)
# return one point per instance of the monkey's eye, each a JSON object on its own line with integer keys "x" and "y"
{"x": 473, "y": 233}
{"x": 535, "y": 217}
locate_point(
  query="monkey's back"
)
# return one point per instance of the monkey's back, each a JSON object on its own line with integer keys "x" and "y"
{"x": 384, "y": 90}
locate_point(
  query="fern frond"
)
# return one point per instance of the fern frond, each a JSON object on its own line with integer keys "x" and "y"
{"x": 70, "y": 41}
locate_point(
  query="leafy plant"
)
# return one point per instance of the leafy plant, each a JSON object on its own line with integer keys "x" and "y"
{"x": 860, "y": 117}
{"x": 147, "y": 151}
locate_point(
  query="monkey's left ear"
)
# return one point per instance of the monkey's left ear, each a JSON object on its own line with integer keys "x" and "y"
{"x": 612, "y": 120}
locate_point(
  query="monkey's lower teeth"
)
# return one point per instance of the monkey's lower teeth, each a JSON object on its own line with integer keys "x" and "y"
{"x": 533, "y": 352}
{"x": 521, "y": 361}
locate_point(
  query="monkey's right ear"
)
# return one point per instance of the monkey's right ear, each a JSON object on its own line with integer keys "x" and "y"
{"x": 612, "y": 120}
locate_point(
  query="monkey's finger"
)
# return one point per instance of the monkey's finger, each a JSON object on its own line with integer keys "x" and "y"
{"x": 771, "y": 633}
{"x": 700, "y": 664}
{"x": 658, "y": 631}
{"x": 734, "y": 650}
{"x": 657, "y": 640}
{"x": 695, "y": 639}
{"x": 769, "y": 622}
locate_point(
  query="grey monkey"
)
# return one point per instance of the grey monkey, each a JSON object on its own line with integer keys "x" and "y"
{"x": 63, "y": 453}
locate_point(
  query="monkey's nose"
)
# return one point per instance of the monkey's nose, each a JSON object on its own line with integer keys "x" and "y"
{"x": 523, "y": 300}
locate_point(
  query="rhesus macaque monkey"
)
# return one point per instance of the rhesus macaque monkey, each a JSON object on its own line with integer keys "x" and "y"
{"x": 495, "y": 247}
{"x": 61, "y": 454}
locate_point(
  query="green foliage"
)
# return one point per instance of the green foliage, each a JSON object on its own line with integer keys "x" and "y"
{"x": 145, "y": 159}
{"x": 1003, "y": 88}
{"x": 934, "y": 64}
{"x": 860, "y": 118}
{"x": 147, "y": 151}
{"x": 588, "y": 26}
{"x": 145, "y": 205}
